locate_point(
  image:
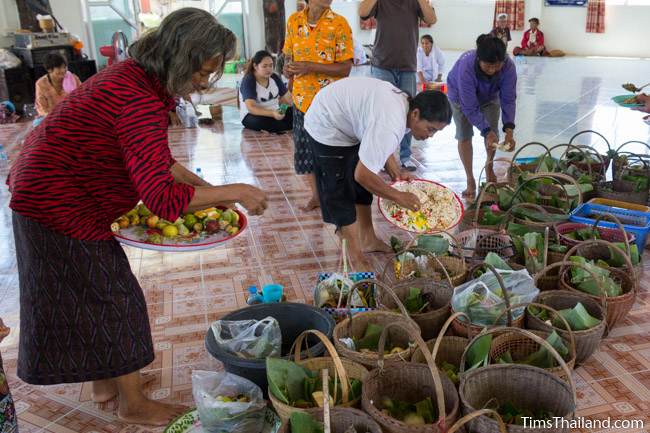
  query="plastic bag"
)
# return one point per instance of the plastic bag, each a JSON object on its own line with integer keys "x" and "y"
{"x": 8, "y": 59}
{"x": 249, "y": 339}
{"x": 187, "y": 113}
{"x": 482, "y": 298}
{"x": 227, "y": 403}
{"x": 332, "y": 288}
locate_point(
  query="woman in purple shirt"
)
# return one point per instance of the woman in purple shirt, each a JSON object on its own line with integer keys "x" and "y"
{"x": 482, "y": 83}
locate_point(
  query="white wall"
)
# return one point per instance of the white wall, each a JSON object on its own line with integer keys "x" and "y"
{"x": 69, "y": 13}
{"x": 461, "y": 21}
{"x": 9, "y": 21}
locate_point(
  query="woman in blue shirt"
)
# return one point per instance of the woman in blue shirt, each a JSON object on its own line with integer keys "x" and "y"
{"x": 260, "y": 94}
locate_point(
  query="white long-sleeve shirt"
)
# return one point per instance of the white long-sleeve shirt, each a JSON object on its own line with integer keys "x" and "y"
{"x": 431, "y": 65}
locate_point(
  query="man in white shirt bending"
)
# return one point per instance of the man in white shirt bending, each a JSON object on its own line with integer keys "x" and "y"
{"x": 355, "y": 125}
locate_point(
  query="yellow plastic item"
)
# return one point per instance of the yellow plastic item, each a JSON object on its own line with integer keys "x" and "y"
{"x": 620, "y": 204}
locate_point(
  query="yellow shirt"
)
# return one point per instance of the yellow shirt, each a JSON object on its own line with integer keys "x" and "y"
{"x": 330, "y": 41}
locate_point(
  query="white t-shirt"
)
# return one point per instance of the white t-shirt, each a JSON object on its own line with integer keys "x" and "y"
{"x": 431, "y": 65}
{"x": 532, "y": 38}
{"x": 360, "y": 110}
{"x": 265, "y": 97}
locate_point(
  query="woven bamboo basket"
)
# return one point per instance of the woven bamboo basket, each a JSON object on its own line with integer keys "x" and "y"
{"x": 590, "y": 169}
{"x": 549, "y": 193}
{"x": 341, "y": 419}
{"x": 463, "y": 329}
{"x": 520, "y": 346}
{"x": 619, "y": 234}
{"x": 429, "y": 322}
{"x": 355, "y": 326}
{"x": 476, "y": 243}
{"x": 621, "y": 190}
{"x": 515, "y": 169}
{"x": 588, "y": 340}
{"x": 603, "y": 165}
{"x": 619, "y": 306}
{"x": 533, "y": 225}
{"x": 474, "y": 213}
{"x": 528, "y": 387}
{"x": 459, "y": 425}
{"x": 410, "y": 382}
{"x": 453, "y": 264}
{"x": 497, "y": 183}
{"x": 340, "y": 368}
{"x": 551, "y": 279}
{"x": 618, "y": 163}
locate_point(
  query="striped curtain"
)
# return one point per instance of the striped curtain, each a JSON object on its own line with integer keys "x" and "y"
{"x": 596, "y": 16}
{"x": 515, "y": 10}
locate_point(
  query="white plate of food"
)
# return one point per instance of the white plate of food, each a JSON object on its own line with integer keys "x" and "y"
{"x": 193, "y": 231}
{"x": 441, "y": 208}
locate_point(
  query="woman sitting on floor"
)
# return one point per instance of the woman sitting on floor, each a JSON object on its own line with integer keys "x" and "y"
{"x": 431, "y": 62}
{"x": 260, "y": 95}
{"x": 54, "y": 86}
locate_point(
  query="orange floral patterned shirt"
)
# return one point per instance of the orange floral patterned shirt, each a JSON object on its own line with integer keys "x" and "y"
{"x": 330, "y": 41}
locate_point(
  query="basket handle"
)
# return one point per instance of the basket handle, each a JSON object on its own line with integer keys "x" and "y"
{"x": 634, "y": 157}
{"x": 532, "y": 143}
{"x": 437, "y": 381}
{"x": 488, "y": 163}
{"x": 467, "y": 418}
{"x": 586, "y": 151}
{"x": 443, "y": 331}
{"x": 567, "y": 263}
{"x": 387, "y": 289}
{"x": 620, "y": 226}
{"x": 556, "y": 163}
{"x": 591, "y": 131}
{"x": 556, "y": 177}
{"x": 430, "y": 255}
{"x": 509, "y": 215}
{"x": 479, "y": 200}
{"x": 628, "y": 262}
{"x": 536, "y": 339}
{"x": 572, "y": 337}
{"x": 338, "y": 365}
{"x": 618, "y": 149}
{"x": 506, "y": 295}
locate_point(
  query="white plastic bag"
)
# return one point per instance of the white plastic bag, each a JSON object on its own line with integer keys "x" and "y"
{"x": 209, "y": 389}
{"x": 482, "y": 298}
{"x": 187, "y": 114}
{"x": 249, "y": 339}
{"x": 8, "y": 59}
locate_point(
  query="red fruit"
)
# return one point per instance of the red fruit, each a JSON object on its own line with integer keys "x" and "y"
{"x": 212, "y": 226}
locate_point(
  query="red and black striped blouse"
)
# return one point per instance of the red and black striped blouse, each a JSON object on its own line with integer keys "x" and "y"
{"x": 100, "y": 151}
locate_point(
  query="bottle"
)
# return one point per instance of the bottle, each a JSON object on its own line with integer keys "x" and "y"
{"x": 199, "y": 173}
{"x": 253, "y": 297}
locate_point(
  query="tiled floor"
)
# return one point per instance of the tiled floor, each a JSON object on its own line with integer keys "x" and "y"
{"x": 187, "y": 291}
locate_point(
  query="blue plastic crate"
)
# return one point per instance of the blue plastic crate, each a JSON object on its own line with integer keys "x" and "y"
{"x": 633, "y": 221}
{"x": 339, "y": 314}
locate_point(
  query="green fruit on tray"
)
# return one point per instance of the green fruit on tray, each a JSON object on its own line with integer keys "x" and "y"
{"x": 189, "y": 220}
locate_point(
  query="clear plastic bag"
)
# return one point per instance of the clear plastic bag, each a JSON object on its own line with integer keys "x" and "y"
{"x": 249, "y": 339}
{"x": 482, "y": 298}
{"x": 187, "y": 114}
{"x": 227, "y": 403}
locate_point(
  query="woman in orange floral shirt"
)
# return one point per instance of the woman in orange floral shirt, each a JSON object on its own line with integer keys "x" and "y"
{"x": 319, "y": 50}
{"x": 56, "y": 85}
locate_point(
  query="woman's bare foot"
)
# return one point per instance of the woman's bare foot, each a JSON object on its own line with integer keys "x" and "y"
{"x": 312, "y": 204}
{"x": 106, "y": 390}
{"x": 150, "y": 412}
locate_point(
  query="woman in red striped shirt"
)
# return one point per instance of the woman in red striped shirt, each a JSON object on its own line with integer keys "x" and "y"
{"x": 83, "y": 314}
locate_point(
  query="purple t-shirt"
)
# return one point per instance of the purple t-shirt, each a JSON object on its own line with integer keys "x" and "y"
{"x": 398, "y": 32}
{"x": 470, "y": 88}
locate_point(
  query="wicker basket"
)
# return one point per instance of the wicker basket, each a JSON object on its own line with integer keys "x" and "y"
{"x": 440, "y": 266}
{"x": 606, "y": 233}
{"x": 459, "y": 426}
{"x": 588, "y": 340}
{"x": 344, "y": 369}
{"x": 355, "y": 326}
{"x": 550, "y": 279}
{"x": 465, "y": 329}
{"x": 475, "y": 244}
{"x": 610, "y": 235}
{"x": 529, "y": 387}
{"x": 515, "y": 169}
{"x": 474, "y": 213}
{"x": 409, "y": 382}
{"x": 622, "y": 191}
{"x": 549, "y": 193}
{"x": 341, "y": 419}
{"x": 431, "y": 321}
{"x": 605, "y": 159}
{"x": 445, "y": 348}
{"x": 520, "y": 346}
{"x": 618, "y": 164}
{"x": 619, "y": 306}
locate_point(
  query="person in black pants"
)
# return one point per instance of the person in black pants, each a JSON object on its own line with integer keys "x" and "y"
{"x": 260, "y": 94}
